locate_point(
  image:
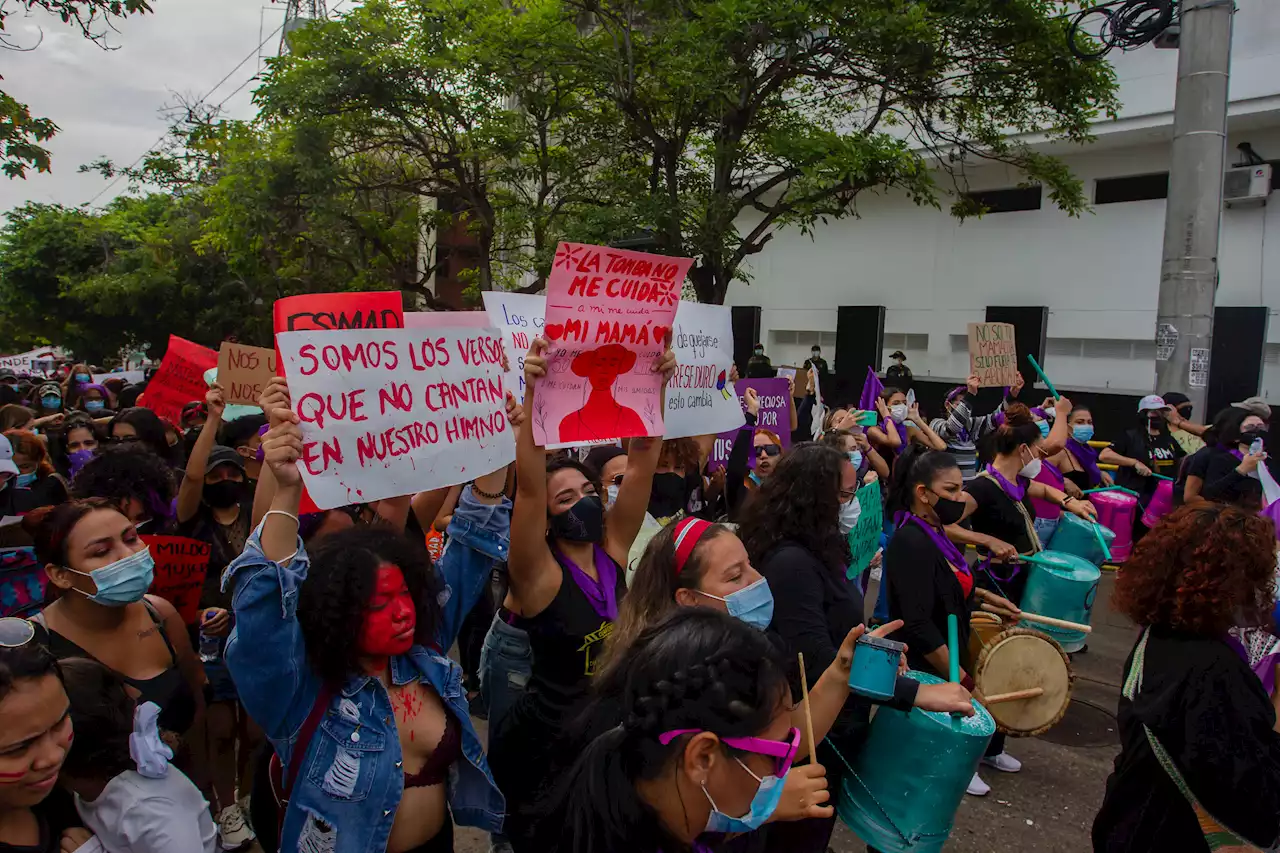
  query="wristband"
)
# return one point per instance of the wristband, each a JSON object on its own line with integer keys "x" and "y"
{"x": 493, "y": 496}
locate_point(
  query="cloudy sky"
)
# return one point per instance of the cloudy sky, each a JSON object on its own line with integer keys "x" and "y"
{"x": 108, "y": 103}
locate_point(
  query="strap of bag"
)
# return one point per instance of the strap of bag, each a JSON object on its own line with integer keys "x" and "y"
{"x": 305, "y": 735}
{"x": 1036, "y": 545}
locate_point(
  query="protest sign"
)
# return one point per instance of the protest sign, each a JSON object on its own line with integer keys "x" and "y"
{"x": 519, "y": 317}
{"x": 130, "y": 377}
{"x": 22, "y": 362}
{"x": 179, "y": 379}
{"x": 445, "y": 319}
{"x": 181, "y": 564}
{"x": 992, "y": 354}
{"x": 700, "y": 397}
{"x": 244, "y": 372}
{"x": 774, "y": 415}
{"x": 390, "y": 412}
{"x": 609, "y": 312}
{"x": 22, "y": 582}
{"x": 381, "y": 309}
{"x": 864, "y": 539}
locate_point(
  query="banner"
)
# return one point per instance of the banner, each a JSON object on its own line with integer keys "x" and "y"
{"x": 22, "y": 362}
{"x": 774, "y": 415}
{"x": 380, "y": 309}
{"x": 445, "y": 319}
{"x": 181, "y": 564}
{"x": 992, "y": 354}
{"x": 864, "y": 539}
{"x": 608, "y": 315}
{"x": 700, "y": 397}
{"x": 244, "y": 372}
{"x": 179, "y": 379}
{"x": 130, "y": 377}
{"x": 519, "y": 317}
{"x": 390, "y": 412}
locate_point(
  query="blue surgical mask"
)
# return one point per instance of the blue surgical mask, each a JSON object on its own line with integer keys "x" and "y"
{"x": 25, "y": 480}
{"x": 51, "y": 402}
{"x": 1082, "y": 433}
{"x": 122, "y": 582}
{"x": 763, "y": 805}
{"x": 752, "y": 604}
{"x": 1044, "y": 428}
{"x": 855, "y": 457}
{"x": 94, "y": 405}
{"x": 83, "y": 377}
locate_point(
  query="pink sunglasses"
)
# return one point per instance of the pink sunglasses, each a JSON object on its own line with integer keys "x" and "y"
{"x": 782, "y": 751}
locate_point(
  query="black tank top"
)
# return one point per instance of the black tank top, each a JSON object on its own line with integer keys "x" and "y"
{"x": 1080, "y": 478}
{"x": 567, "y": 639}
{"x": 169, "y": 689}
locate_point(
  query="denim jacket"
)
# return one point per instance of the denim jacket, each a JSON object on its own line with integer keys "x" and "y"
{"x": 349, "y": 784}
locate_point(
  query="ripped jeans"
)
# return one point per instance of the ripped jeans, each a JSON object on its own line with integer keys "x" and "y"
{"x": 506, "y": 660}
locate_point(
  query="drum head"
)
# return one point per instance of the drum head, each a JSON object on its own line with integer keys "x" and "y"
{"x": 1018, "y": 659}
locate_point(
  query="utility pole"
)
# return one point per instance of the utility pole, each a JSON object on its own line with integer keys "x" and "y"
{"x": 1193, "y": 215}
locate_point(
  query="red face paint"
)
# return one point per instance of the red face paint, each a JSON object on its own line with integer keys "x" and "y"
{"x": 10, "y": 778}
{"x": 389, "y": 618}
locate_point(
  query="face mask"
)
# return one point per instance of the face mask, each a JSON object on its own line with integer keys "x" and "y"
{"x": 1155, "y": 423}
{"x": 51, "y": 402}
{"x": 582, "y": 522}
{"x": 82, "y": 377}
{"x": 763, "y": 805}
{"x": 947, "y": 510}
{"x": 390, "y": 619}
{"x": 77, "y": 460}
{"x": 612, "y": 491}
{"x": 1186, "y": 413}
{"x": 94, "y": 405}
{"x": 816, "y": 353}
{"x": 223, "y": 494}
{"x": 666, "y": 497}
{"x": 122, "y": 582}
{"x": 849, "y": 512}
{"x": 1044, "y": 428}
{"x": 25, "y": 480}
{"x": 855, "y": 459}
{"x": 752, "y": 604}
{"x": 758, "y": 351}
{"x": 1082, "y": 433}
{"x": 898, "y": 413}
{"x": 1253, "y": 435}
{"x": 1032, "y": 469}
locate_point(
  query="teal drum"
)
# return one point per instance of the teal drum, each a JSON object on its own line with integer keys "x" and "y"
{"x": 909, "y": 777}
{"x": 1076, "y": 536}
{"x": 1062, "y": 586}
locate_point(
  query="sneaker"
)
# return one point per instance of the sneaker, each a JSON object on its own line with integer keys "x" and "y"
{"x": 977, "y": 788}
{"x": 233, "y": 832}
{"x": 1004, "y": 762}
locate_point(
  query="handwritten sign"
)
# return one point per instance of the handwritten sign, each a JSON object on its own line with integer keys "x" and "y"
{"x": 179, "y": 379}
{"x": 382, "y": 309}
{"x": 609, "y": 312}
{"x": 129, "y": 377}
{"x": 992, "y": 354}
{"x": 390, "y": 412}
{"x": 864, "y": 539}
{"x": 23, "y": 362}
{"x": 700, "y": 397}
{"x": 245, "y": 371}
{"x": 445, "y": 319}
{"x": 774, "y": 415}
{"x": 519, "y": 317}
{"x": 181, "y": 564}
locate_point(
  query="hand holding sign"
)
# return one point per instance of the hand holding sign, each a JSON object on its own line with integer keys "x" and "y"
{"x": 282, "y": 448}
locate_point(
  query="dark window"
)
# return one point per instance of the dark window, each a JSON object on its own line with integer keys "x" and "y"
{"x": 1006, "y": 201}
{"x": 1134, "y": 188}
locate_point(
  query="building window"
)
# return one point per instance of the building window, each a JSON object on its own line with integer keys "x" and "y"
{"x": 1133, "y": 188}
{"x": 1006, "y": 201}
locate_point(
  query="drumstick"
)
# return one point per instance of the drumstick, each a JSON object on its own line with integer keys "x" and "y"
{"x": 808, "y": 714}
{"x": 953, "y": 653}
{"x": 1045, "y": 620}
{"x": 1102, "y": 542}
{"x": 1029, "y": 693}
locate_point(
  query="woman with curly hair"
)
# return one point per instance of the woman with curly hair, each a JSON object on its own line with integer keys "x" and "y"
{"x": 1199, "y": 766}
{"x": 137, "y": 481}
{"x": 340, "y": 656}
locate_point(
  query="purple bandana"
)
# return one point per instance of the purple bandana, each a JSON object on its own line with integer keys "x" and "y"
{"x": 945, "y": 545}
{"x": 1088, "y": 459}
{"x": 601, "y": 594}
{"x": 1016, "y": 491}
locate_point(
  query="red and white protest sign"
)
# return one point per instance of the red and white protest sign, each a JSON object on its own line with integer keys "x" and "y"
{"x": 608, "y": 314}
{"x": 181, "y": 565}
{"x": 179, "y": 379}
{"x": 390, "y": 412}
{"x": 445, "y": 319}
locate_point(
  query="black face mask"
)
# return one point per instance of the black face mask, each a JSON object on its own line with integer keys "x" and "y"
{"x": 1156, "y": 423}
{"x": 1186, "y": 412}
{"x": 666, "y": 497}
{"x": 1253, "y": 435}
{"x": 223, "y": 494}
{"x": 947, "y": 510}
{"x": 582, "y": 522}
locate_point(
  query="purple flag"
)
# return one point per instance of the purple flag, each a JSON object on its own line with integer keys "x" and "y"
{"x": 871, "y": 388}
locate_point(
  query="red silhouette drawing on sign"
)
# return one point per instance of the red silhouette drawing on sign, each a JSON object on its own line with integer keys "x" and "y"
{"x": 602, "y": 415}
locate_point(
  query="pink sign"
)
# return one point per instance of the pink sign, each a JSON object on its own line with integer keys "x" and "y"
{"x": 608, "y": 314}
{"x": 446, "y": 319}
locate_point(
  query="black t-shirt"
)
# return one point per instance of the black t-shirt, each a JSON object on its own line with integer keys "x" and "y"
{"x": 1222, "y": 482}
{"x": 1159, "y": 452}
{"x": 997, "y": 515}
{"x": 1196, "y": 466}
{"x": 49, "y": 490}
{"x": 923, "y": 591}
{"x": 226, "y": 543}
{"x": 55, "y": 813}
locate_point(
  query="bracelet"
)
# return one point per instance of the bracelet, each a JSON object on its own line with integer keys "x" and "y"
{"x": 282, "y": 512}
{"x": 482, "y": 493}
{"x": 1066, "y": 498}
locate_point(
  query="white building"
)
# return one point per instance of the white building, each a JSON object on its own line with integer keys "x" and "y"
{"x": 1098, "y": 274}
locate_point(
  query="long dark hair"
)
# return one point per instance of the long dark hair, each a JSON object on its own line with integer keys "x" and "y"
{"x": 27, "y": 662}
{"x": 333, "y": 601}
{"x": 696, "y": 669}
{"x": 800, "y": 503}
{"x": 1226, "y": 427}
{"x": 917, "y": 465}
{"x": 102, "y": 714}
{"x": 148, "y": 426}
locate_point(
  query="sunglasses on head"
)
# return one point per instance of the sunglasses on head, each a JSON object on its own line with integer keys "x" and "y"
{"x": 768, "y": 450}
{"x": 783, "y": 752}
{"x": 15, "y": 633}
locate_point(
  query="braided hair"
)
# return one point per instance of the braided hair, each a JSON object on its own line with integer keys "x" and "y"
{"x": 696, "y": 669}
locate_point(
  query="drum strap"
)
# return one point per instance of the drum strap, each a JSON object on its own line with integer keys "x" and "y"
{"x": 1032, "y": 536}
{"x": 853, "y": 775}
{"x": 1216, "y": 835}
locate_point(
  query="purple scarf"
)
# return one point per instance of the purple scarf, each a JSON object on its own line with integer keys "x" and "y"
{"x": 1088, "y": 459}
{"x": 1234, "y": 451}
{"x": 601, "y": 594}
{"x": 1016, "y": 490}
{"x": 939, "y": 539}
{"x": 901, "y": 429}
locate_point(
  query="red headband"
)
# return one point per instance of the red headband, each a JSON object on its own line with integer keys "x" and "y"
{"x": 688, "y": 534}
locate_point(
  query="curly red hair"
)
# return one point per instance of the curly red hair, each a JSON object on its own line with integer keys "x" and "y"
{"x": 1204, "y": 569}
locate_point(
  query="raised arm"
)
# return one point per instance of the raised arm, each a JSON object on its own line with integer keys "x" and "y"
{"x": 930, "y": 438}
{"x": 1056, "y": 441}
{"x": 192, "y": 488}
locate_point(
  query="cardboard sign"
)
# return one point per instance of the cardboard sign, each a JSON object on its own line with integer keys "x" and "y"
{"x": 992, "y": 354}
{"x": 864, "y": 539}
{"x": 22, "y": 582}
{"x": 774, "y": 415}
{"x": 180, "y": 378}
{"x": 609, "y": 312}
{"x": 381, "y": 309}
{"x": 519, "y": 317}
{"x": 700, "y": 397}
{"x": 445, "y": 319}
{"x": 244, "y": 372}
{"x": 181, "y": 564}
{"x": 390, "y": 412}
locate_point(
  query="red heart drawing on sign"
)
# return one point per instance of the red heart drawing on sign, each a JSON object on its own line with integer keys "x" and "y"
{"x": 554, "y": 331}
{"x": 660, "y": 333}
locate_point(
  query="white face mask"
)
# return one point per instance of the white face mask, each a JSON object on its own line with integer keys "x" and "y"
{"x": 898, "y": 413}
{"x": 1032, "y": 469}
{"x": 613, "y": 496}
{"x": 850, "y": 511}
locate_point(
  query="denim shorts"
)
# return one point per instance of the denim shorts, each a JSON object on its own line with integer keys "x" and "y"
{"x": 506, "y": 660}
{"x": 220, "y": 688}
